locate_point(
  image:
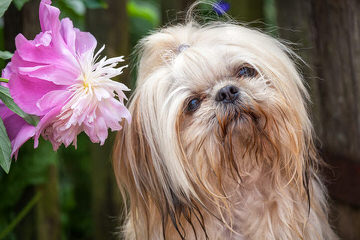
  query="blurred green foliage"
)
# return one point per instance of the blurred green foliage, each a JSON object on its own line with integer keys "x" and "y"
{"x": 75, "y": 190}
{"x": 5, "y": 55}
{"x": 76, "y": 9}
{"x": 4, "y": 4}
{"x": 29, "y": 170}
{"x": 19, "y": 3}
{"x": 144, "y": 16}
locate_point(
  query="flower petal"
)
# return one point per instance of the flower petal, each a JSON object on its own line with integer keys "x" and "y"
{"x": 6, "y": 72}
{"x": 53, "y": 99}
{"x": 27, "y": 91}
{"x": 52, "y": 73}
{"x": 30, "y": 51}
{"x": 18, "y": 130}
{"x": 49, "y": 17}
{"x": 26, "y": 132}
{"x": 43, "y": 38}
{"x": 44, "y": 123}
{"x": 97, "y": 131}
{"x": 68, "y": 34}
{"x": 114, "y": 111}
{"x": 84, "y": 42}
{"x": 5, "y": 112}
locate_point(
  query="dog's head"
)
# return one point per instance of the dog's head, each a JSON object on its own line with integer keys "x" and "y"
{"x": 214, "y": 106}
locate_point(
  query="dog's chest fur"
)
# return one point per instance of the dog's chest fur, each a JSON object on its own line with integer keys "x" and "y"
{"x": 257, "y": 213}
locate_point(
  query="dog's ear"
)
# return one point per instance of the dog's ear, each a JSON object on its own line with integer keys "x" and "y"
{"x": 132, "y": 157}
{"x": 146, "y": 183}
{"x": 159, "y": 48}
{"x": 152, "y": 51}
{"x": 135, "y": 170}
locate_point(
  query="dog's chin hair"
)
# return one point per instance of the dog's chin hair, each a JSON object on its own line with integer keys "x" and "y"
{"x": 242, "y": 170}
{"x": 245, "y": 141}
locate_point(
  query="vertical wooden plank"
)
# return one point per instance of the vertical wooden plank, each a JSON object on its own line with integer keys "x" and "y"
{"x": 329, "y": 34}
{"x": 337, "y": 38}
{"x": 48, "y": 214}
{"x": 106, "y": 202}
{"x": 110, "y": 27}
{"x": 337, "y": 34}
{"x": 296, "y": 26}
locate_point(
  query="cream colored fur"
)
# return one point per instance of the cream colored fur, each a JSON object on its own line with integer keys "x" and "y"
{"x": 248, "y": 170}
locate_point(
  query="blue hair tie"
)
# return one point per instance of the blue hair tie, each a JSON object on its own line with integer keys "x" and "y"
{"x": 221, "y": 7}
{"x": 182, "y": 47}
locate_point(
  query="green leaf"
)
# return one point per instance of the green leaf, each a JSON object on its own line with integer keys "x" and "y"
{"x": 4, "y": 4}
{"x": 77, "y": 6}
{"x": 143, "y": 10}
{"x": 20, "y": 3}
{"x": 5, "y": 148}
{"x": 5, "y": 55}
{"x": 9, "y": 102}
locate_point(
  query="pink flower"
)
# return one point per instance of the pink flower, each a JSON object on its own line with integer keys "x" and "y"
{"x": 57, "y": 76}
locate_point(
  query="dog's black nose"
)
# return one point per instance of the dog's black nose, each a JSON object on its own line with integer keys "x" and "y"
{"x": 227, "y": 94}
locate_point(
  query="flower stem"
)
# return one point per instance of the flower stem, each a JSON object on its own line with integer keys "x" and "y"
{"x": 4, "y": 80}
{"x": 21, "y": 215}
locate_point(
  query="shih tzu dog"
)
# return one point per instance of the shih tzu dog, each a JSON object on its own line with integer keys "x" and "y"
{"x": 220, "y": 145}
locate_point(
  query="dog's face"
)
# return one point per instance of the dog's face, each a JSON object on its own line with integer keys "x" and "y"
{"x": 213, "y": 106}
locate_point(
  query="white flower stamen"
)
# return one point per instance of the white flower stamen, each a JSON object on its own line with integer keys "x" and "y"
{"x": 93, "y": 91}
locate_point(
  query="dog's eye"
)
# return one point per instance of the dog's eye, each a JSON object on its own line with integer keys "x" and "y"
{"x": 193, "y": 105}
{"x": 246, "y": 72}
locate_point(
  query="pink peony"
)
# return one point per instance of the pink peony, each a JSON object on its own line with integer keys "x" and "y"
{"x": 58, "y": 77}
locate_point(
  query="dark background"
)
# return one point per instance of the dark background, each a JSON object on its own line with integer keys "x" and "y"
{"x": 73, "y": 195}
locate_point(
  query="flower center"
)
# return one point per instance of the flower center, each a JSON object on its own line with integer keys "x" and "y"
{"x": 86, "y": 82}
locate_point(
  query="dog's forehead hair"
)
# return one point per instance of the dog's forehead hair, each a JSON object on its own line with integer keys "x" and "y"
{"x": 201, "y": 67}
{"x": 204, "y": 58}
{"x": 199, "y": 62}
{"x": 213, "y": 53}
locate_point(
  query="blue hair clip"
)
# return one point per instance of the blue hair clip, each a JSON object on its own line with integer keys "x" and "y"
{"x": 221, "y": 7}
{"x": 182, "y": 47}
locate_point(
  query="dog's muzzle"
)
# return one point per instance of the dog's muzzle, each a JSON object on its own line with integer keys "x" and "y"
{"x": 228, "y": 94}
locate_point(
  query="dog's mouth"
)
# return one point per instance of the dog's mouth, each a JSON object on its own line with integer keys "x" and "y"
{"x": 235, "y": 115}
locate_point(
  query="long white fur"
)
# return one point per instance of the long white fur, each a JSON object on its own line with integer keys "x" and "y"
{"x": 170, "y": 163}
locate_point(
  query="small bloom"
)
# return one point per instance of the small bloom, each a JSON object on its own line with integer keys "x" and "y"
{"x": 59, "y": 77}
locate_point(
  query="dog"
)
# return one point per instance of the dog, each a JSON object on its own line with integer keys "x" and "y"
{"x": 220, "y": 145}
